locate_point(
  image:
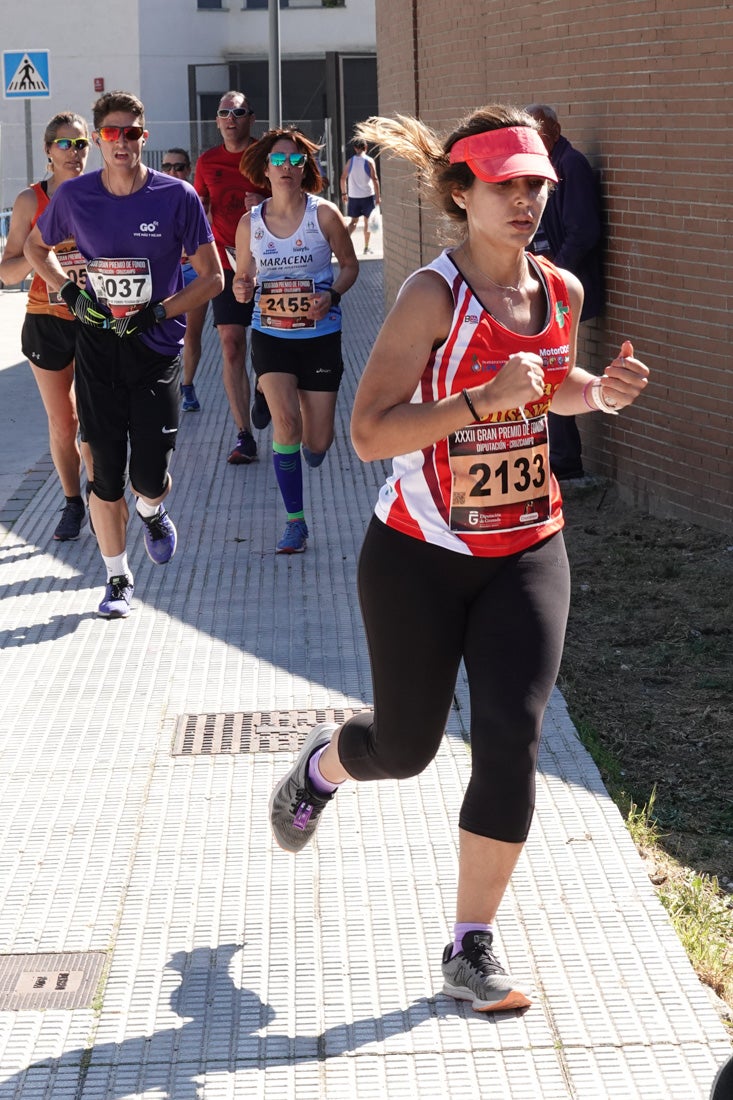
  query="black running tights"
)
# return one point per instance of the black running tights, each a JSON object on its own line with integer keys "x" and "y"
{"x": 425, "y": 609}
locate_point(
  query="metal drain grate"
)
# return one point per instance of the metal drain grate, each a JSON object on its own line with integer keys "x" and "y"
{"x": 250, "y": 731}
{"x": 35, "y": 982}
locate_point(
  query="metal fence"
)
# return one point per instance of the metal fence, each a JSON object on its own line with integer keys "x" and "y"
{"x": 194, "y": 135}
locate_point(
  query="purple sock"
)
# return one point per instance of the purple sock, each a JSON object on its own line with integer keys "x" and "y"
{"x": 459, "y": 931}
{"x": 317, "y": 782}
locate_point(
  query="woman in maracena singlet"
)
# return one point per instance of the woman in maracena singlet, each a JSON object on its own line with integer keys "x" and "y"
{"x": 464, "y": 558}
{"x": 286, "y": 243}
{"x": 49, "y": 330}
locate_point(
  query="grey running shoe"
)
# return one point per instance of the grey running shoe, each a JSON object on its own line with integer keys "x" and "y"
{"x": 117, "y": 598}
{"x": 294, "y": 537}
{"x": 475, "y": 974}
{"x": 161, "y": 537}
{"x": 295, "y": 808}
{"x": 69, "y": 526}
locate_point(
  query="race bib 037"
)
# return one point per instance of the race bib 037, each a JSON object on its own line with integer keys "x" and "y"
{"x": 124, "y": 286}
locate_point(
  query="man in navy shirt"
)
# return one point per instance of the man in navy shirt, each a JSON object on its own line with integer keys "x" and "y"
{"x": 571, "y": 236}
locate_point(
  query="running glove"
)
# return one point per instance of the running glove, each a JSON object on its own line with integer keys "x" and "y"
{"x": 83, "y": 307}
{"x": 134, "y": 323}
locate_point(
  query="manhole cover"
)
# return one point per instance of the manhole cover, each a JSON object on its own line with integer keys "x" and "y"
{"x": 50, "y": 981}
{"x": 250, "y": 731}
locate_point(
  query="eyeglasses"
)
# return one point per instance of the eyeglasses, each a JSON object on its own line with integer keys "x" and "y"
{"x": 71, "y": 143}
{"x": 238, "y": 112}
{"x": 113, "y": 133}
{"x": 174, "y": 166}
{"x": 297, "y": 160}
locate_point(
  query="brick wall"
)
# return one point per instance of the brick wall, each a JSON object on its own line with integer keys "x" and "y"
{"x": 640, "y": 88}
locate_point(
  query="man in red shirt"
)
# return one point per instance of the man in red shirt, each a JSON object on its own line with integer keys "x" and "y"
{"x": 226, "y": 195}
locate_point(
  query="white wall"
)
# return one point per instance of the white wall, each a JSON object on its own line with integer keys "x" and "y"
{"x": 174, "y": 34}
{"x": 64, "y": 28}
{"x": 145, "y": 47}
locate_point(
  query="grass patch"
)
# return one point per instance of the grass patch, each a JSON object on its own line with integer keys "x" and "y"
{"x": 643, "y": 825}
{"x": 703, "y": 919}
{"x": 701, "y": 913}
{"x": 605, "y": 761}
{"x": 646, "y": 676}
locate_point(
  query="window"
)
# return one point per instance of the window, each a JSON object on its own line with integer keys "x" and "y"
{"x": 210, "y": 5}
{"x": 252, "y": 5}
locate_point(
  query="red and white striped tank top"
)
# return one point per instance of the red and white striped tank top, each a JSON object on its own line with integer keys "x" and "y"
{"x": 486, "y": 490}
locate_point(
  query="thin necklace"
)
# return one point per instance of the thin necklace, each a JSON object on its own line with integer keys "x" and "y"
{"x": 132, "y": 185}
{"x": 499, "y": 286}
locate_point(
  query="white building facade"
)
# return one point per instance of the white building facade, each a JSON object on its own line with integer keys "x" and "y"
{"x": 180, "y": 56}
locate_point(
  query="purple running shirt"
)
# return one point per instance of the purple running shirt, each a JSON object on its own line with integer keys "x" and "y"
{"x": 155, "y": 224}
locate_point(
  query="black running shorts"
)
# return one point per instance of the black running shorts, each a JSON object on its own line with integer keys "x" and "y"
{"x": 360, "y": 208}
{"x": 49, "y": 342}
{"x": 227, "y": 310}
{"x": 316, "y": 362}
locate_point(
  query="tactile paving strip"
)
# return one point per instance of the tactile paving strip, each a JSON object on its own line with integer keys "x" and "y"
{"x": 31, "y": 484}
{"x": 238, "y": 971}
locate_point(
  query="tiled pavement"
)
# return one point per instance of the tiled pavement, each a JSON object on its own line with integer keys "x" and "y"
{"x": 227, "y": 969}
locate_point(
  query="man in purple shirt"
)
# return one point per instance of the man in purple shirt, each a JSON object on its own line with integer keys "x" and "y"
{"x": 131, "y": 224}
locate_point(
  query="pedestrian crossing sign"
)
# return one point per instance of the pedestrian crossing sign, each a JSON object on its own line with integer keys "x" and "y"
{"x": 25, "y": 74}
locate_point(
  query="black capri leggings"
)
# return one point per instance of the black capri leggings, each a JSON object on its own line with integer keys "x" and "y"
{"x": 127, "y": 392}
{"x": 425, "y": 609}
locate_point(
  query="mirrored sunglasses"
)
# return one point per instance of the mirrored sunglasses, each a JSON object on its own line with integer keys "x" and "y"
{"x": 238, "y": 112}
{"x": 297, "y": 160}
{"x": 113, "y": 133}
{"x": 174, "y": 166}
{"x": 71, "y": 143}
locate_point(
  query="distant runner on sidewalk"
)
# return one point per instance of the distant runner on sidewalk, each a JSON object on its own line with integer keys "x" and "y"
{"x": 177, "y": 162}
{"x": 360, "y": 189}
{"x": 131, "y": 225}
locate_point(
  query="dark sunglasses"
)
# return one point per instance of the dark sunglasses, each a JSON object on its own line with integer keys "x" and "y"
{"x": 238, "y": 112}
{"x": 297, "y": 160}
{"x": 174, "y": 166}
{"x": 71, "y": 143}
{"x": 113, "y": 133}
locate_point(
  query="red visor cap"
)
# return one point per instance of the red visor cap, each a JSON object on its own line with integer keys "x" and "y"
{"x": 504, "y": 154}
